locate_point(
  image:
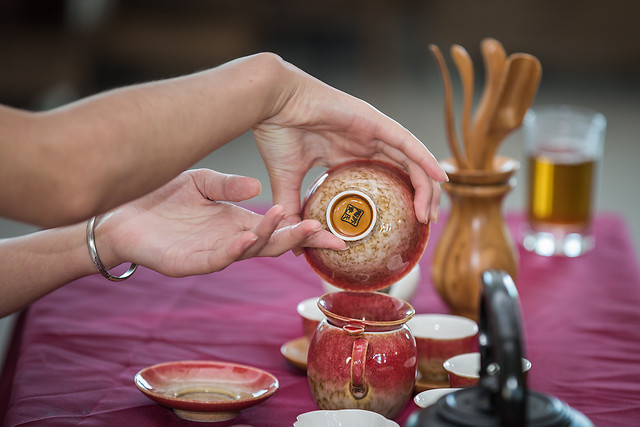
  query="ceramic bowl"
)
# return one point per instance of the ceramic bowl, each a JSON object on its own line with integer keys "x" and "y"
{"x": 342, "y": 418}
{"x": 205, "y": 390}
{"x": 368, "y": 204}
{"x": 403, "y": 289}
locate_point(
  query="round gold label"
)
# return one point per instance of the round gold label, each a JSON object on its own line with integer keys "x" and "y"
{"x": 351, "y": 215}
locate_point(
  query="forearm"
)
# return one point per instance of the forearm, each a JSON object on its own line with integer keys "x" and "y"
{"x": 93, "y": 155}
{"x": 37, "y": 264}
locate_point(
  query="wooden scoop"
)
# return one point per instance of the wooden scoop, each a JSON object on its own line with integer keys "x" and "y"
{"x": 448, "y": 106}
{"x": 521, "y": 78}
{"x": 494, "y": 57}
{"x": 465, "y": 67}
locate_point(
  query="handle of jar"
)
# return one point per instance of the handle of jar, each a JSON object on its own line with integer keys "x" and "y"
{"x": 358, "y": 387}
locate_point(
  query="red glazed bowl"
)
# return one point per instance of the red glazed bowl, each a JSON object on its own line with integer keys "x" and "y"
{"x": 368, "y": 204}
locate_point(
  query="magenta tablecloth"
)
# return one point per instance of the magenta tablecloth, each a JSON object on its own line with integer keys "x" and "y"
{"x": 81, "y": 346}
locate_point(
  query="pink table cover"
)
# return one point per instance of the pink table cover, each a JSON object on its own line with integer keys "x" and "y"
{"x": 74, "y": 362}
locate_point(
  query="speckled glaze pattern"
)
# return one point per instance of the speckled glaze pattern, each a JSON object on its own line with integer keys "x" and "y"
{"x": 366, "y": 363}
{"x": 397, "y": 241}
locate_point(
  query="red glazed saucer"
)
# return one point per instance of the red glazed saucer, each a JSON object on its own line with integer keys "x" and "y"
{"x": 206, "y": 390}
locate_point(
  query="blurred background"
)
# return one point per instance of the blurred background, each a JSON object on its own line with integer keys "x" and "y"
{"x": 57, "y": 51}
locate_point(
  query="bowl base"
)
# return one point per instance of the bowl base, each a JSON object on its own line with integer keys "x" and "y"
{"x": 204, "y": 417}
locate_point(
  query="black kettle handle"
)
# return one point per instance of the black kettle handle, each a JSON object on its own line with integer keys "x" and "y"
{"x": 500, "y": 342}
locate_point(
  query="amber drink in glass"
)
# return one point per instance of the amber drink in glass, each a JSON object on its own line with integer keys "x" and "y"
{"x": 563, "y": 145}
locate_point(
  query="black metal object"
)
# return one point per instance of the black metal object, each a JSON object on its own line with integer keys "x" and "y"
{"x": 501, "y": 397}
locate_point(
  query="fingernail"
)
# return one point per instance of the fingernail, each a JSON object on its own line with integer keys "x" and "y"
{"x": 281, "y": 212}
{"x": 435, "y": 215}
{"x": 446, "y": 177}
{"x": 249, "y": 243}
{"x": 316, "y": 227}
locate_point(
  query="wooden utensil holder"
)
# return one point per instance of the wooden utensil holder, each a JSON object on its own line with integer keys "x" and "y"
{"x": 475, "y": 237}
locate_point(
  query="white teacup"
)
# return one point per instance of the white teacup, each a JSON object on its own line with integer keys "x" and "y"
{"x": 403, "y": 289}
{"x": 429, "y": 397}
{"x": 310, "y": 314}
{"x": 464, "y": 369}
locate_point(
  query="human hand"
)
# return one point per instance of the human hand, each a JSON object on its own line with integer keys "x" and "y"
{"x": 188, "y": 227}
{"x": 317, "y": 125}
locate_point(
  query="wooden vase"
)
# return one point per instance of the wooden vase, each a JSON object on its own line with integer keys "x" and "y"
{"x": 475, "y": 237}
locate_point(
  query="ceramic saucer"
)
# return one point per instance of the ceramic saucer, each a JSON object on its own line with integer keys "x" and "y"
{"x": 295, "y": 351}
{"x": 422, "y": 385}
{"x": 205, "y": 390}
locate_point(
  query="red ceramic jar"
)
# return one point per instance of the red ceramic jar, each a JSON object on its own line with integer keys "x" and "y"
{"x": 362, "y": 355}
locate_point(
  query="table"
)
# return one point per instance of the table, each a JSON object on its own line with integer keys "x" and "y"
{"x": 77, "y": 349}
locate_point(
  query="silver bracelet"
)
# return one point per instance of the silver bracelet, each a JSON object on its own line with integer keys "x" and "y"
{"x": 91, "y": 242}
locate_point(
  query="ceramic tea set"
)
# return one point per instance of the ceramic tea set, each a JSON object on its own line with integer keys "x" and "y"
{"x": 362, "y": 355}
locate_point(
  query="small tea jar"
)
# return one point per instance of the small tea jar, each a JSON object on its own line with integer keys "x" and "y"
{"x": 362, "y": 355}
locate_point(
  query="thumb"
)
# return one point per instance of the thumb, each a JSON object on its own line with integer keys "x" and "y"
{"x": 226, "y": 187}
{"x": 287, "y": 194}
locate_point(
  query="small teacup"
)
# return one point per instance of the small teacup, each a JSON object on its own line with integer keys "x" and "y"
{"x": 310, "y": 314}
{"x": 438, "y": 338}
{"x": 403, "y": 289}
{"x": 464, "y": 369}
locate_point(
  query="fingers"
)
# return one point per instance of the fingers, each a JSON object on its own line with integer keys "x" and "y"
{"x": 435, "y": 202}
{"x": 289, "y": 198}
{"x": 252, "y": 242}
{"x": 220, "y": 186}
{"x": 266, "y": 239}
{"x": 395, "y": 135}
{"x": 307, "y": 233}
{"x": 423, "y": 197}
{"x": 264, "y": 230}
{"x": 323, "y": 239}
{"x": 273, "y": 242}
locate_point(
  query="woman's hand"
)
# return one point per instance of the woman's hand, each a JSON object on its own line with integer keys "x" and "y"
{"x": 188, "y": 227}
{"x": 316, "y": 125}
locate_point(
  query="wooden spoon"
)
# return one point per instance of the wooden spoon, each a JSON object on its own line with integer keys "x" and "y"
{"x": 465, "y": 67}
{"x": 521, "y": 78}
{"x": 448, "y": 107}
{"x": 494, "y": 57}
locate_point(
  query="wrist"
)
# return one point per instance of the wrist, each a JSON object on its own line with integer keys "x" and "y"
{"x": 104, "y": 241}
{"x": 97, "y": 261}
{"x": 279, "y": 80}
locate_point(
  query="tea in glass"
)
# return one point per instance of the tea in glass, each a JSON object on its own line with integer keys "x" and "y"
{"x": 564, "y": 152}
